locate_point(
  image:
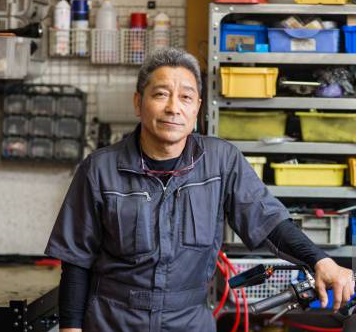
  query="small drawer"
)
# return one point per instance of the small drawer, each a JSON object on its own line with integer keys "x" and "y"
{"x": 70, "y": 106}
{"x": 14, "y": 147}
{"x": 41, "y": 126}
{"x": 15, "y": 104}
{"x": 41, "y": 148}
{"x": 15, "y": 125}
{"x": 42, "y": 105}
{"x": 67, "y": 149}
{"x": 68, "y": 128}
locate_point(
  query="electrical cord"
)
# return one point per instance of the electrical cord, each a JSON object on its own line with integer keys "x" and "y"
{"x": 226, "y": 268}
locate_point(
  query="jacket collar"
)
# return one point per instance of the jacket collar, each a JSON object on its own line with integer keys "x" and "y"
{"x": 129, "y": 156}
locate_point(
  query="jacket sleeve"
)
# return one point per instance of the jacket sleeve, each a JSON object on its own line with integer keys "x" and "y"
{"x": 252, "y": 211}
{"x": 76, "y": 235}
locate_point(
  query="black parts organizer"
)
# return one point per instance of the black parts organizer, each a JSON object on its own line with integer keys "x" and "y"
{"x": 43, "y": 123}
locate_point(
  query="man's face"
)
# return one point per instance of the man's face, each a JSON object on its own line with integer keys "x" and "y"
{"x": 169, "y": 106}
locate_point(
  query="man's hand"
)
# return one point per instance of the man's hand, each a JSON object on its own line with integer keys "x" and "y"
{"x": 328, "y": 275}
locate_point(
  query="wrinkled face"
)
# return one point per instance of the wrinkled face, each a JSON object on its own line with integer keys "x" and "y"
{"x": 169, "y": 106}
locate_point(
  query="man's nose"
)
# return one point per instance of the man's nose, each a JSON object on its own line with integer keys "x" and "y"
{"x": 173, "y": 105}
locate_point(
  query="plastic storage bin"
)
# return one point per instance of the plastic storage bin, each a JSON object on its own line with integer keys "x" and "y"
{"x": 15, "y": 125}
{"x": 248, "y": 82}
{"x": 241, "y": 1}
{"x": 68, "y": 128}
{"x": 304, "y": 40}
{"x": 237, "y": 125}
{"x": 327, "y": 127}
{"x": 246, "y": 36}
{"x": 41, "y": 148}
{"x": 322, "y": 2}
{"x": 329, "y": 230}
{"x": 41, "y": 126}
{"x": 42, "y": 105}
{"x": 70, "y": 106}
{"x": 14, "y": 57}
{"x": 67, "y": 149}
{"x": 350, "y": 38}
{"x": 258, "y": 164}
{"x": 14, "y": 147}
{"x": 352, "y": 170}
{"x": 308, "y": 174}
{"x": 15, "y": 104}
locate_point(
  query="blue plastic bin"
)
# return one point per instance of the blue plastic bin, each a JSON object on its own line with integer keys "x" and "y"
{"x": 350, "y": 38}
{"x": 245, "y": 35}
{"x": 304, "y": 40}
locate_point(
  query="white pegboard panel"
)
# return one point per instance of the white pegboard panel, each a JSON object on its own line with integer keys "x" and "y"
{"x": 30, "y": 201}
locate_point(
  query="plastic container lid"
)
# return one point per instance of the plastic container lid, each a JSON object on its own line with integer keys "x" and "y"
{"x": 138, "y": 20}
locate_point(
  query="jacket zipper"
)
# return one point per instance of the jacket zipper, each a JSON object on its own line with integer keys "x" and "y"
{"x": 138, "y": 193}
{"x": 197, "y": 184}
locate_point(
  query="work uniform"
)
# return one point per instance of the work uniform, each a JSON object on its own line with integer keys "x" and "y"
{"x": 151, "y": 247}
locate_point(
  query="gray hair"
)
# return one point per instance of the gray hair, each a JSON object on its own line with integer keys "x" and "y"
{"x": 171, "y": 57}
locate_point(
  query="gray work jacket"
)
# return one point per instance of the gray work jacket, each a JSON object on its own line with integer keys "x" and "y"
{"x": 151, "y": 247}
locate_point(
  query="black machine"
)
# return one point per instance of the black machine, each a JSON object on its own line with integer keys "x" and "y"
{"x": 297, "y": 295}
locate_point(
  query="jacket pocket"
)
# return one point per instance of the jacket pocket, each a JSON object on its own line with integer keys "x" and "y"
{"x": 129, "y": 223}
{"x": 199, "y": 202}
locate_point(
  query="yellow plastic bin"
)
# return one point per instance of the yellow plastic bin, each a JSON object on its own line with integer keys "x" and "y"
{"x": 249, "y": 82}
{"x": 258, "y": 164}
{"x": 352, "y": 169}
{"x": 327, "y": 127}
{"x": 239, "y": 125}
{"x": 308, "y": 174}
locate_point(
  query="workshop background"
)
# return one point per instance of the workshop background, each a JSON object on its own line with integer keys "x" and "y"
{"x": 279, "y": 79}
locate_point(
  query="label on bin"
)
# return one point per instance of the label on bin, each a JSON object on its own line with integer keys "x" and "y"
{"x": 303, "y": 44}
{"x": 236, "y": 42}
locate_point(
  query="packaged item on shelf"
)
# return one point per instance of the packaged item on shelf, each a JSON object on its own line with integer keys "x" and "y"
{"x": 236, "y": 37}
{"x": 240, "y": 125}
{"x": 241, "y": 1}
{"x": 249, "y": 82}
{"x": 317, "y": 175}
{"x": 327, "y": 127}
{"x": 106, "y": 17}
{"x": 62, "y": 23}
{"x": 350, "y": 38}
{"x": 304, "y": 40}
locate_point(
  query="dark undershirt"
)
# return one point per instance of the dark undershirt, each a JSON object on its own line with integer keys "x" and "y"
{"x": 75, "y": 280}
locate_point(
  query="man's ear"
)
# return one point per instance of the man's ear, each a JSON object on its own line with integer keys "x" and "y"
{"x": 137, "y": 103}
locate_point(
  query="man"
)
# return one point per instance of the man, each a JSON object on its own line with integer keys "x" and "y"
{"x": 142, "y": 223}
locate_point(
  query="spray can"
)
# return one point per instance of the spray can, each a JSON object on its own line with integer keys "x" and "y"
{"x": 62, "y": 24}
{"x": 80, "y": 25}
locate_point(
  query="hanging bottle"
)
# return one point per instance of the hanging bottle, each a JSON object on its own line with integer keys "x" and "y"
{"x": 80, "y": 25}
{"x": 106, "y": 46}
{"x": 161, "y": 31}
{"x": 62, "y": 24}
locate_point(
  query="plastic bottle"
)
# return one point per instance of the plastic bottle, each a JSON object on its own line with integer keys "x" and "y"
{"x": 80, "y": 25}
{"x": 106, "y": 17}
{"x": 106, "y": 34}
{"x": 62, "y": 22}
{"x": 137, "y": 37}
{"x": 161, "y": 31}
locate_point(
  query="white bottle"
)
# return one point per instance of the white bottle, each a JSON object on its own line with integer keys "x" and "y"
{"x": 106, "y": 17}
{"x": 161, "y": 31}
{"x": 62, "y": 22}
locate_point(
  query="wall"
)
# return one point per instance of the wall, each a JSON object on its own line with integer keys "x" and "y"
{"x": 31, "y": 195}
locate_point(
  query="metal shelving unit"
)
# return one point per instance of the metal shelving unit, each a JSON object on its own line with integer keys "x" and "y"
{"x": 215, "y": 101}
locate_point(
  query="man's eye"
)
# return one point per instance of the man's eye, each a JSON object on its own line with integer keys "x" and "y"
{"x": 160, "y": 94}
{"x": 187, "y": 98}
